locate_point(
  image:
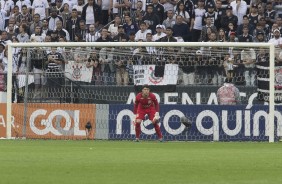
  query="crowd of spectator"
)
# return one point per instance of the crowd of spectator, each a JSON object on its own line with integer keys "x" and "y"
{"x": 141, "y": 21}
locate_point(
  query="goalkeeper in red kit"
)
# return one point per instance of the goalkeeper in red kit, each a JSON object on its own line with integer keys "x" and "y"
{"x": 146, "y": 103}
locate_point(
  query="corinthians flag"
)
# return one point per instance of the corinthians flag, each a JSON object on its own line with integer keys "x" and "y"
{"x": 159, "y": 78}
{"x": 78, "y": 71}
{"x": 263, "y": 80}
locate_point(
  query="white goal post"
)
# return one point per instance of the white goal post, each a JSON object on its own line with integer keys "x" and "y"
{"x": 145, "y": 44}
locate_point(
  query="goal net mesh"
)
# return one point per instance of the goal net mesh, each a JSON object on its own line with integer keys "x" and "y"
{"x": 57, "y": 90}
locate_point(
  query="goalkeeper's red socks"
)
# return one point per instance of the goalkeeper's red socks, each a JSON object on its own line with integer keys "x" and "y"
{"x": 137, "y": 130}
{"x": 158, "y": 130}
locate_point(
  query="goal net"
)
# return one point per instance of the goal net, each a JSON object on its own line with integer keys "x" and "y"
{"x": 59, "y": 87}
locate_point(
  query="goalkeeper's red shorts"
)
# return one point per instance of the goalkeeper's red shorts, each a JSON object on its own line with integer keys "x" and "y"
{"x": 141, "y": 113}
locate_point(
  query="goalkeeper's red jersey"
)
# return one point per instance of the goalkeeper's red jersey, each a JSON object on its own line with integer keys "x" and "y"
{"x": 142, "y": 103}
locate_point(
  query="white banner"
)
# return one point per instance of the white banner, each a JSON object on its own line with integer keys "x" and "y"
{"x": 21, "y": 80}
{"x": 145, "y": 74}
{"x": 78, "y": 72}
{"x": 278, "y": 77}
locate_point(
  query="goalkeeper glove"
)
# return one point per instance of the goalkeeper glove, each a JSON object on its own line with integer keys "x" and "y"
{"x": 157, "y": 116}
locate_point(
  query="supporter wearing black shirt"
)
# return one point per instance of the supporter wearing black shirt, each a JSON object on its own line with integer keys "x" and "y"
{"x": 158, "y": 9}
{"x": 72, "y": 24}
{"x": 229, "y": 17}
{"x": 121, "y": 35}
{"x": 104, "y": 36}
{"x": 168, "y": 37}
{"x": 245, "y": 37}
{"x": 151, "y": 19}
{"x": 54, "y": 73}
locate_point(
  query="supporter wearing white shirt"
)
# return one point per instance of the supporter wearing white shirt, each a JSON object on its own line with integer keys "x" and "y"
{"x": 113, "y": 28}
{"x": 40, "y": 7}
{"x": 197, "y": 21}
{"x": 37, "y": 35}
{"x": 91, "y": 13}
{"x": 20, "y": 3}
{"x": 134, "y": 4}
{"x": 167, "y": 5}
{"x": 79, "y": 6}
{"x": 2, "y": 18}
{"x": 141, "y": 34}
{"x": 239, "y": 8}
{"x": 160, "y": 34}
{"x": 199, "y": 14}
{"x": 276, "y": 40}
{"x": 7, "y": 5}
{"x": 5, "y": 63}
{"x": 71, "y": 3}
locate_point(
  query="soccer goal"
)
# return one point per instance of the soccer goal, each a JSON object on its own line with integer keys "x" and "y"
{"x": 60, "y": 87}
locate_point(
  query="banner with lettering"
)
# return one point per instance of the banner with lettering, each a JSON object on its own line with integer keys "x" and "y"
{"x": 50, "y": 121}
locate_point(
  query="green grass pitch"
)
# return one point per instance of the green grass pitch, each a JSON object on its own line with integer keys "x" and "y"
{"x": 126, "y": 162}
